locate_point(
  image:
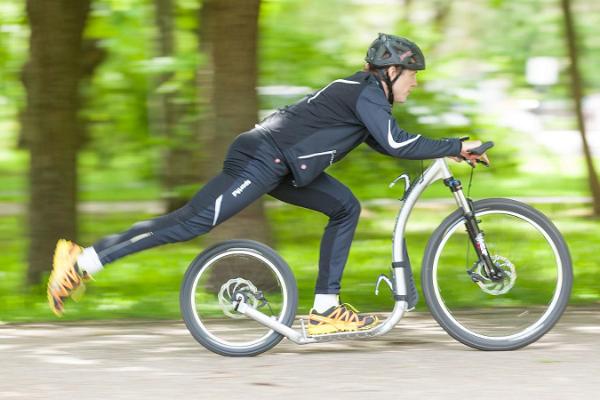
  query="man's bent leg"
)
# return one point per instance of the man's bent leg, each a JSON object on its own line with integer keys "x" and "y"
{"x": 334, "y": 199}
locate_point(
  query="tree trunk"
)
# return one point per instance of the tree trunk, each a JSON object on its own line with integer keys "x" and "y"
{"x": 180, "y": 164}
{"x": 53, "y": 75}
{"x": 230, "y": 28}
{"x": 206, "y": 93}
{"x": 576, "y": 90}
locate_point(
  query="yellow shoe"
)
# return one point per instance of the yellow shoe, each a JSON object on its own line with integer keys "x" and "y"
{"x": 342, "y": 318}
{"x": 65, "y": 280}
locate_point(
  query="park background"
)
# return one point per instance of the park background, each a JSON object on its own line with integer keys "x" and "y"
{"x": 114, "y": 111}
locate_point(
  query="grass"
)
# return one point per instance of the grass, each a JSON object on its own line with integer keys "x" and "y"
{"x": 146, "y": 285}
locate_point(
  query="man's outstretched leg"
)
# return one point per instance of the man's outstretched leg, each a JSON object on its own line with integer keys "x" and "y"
{"x": 221, "y": 198}
{"x": 71, "y": 262}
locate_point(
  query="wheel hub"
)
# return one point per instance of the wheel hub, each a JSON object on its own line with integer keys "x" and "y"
{"x": 497, "y": 287}
{"x": 230, "y": 290}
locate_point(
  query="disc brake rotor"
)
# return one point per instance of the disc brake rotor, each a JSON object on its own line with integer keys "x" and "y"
{"x": 230, "y": 289}
{"x": 497, "y": 287}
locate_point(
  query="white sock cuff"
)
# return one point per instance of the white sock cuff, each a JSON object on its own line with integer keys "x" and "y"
{"x": 88, "y": 261}
{"x": 324, "y": 302}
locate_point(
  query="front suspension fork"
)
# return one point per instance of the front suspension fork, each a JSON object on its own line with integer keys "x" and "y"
{"x": 476, "y": 235}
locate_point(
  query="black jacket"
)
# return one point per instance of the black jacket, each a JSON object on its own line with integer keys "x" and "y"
{"x": 323, "y": 127}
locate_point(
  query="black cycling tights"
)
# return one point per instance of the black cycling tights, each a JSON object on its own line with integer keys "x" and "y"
{"x": 253, "y": 167}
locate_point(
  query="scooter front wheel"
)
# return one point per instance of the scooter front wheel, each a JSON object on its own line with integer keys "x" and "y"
{"x": 225, "y": 272}
{"x": 491, "y": 313}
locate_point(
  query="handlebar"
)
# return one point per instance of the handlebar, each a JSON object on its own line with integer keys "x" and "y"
{"x": 479, "y": 151}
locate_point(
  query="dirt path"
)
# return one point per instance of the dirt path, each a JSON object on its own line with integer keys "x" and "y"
{"x": 160, "y": 360}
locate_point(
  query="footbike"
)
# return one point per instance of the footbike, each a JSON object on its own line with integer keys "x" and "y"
{"x": 496, "y": 275}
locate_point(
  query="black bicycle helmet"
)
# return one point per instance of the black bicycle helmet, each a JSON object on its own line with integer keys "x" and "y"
{"x": 389, "y": 50}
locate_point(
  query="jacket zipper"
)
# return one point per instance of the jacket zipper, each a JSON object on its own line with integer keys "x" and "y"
{"x": 331, "y": 152}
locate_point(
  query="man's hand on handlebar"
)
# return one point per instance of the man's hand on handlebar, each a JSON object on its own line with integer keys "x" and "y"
{"x": 471, "y": 158}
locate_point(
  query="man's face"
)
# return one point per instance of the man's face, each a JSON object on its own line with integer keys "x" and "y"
{"x": 404, "y": 84}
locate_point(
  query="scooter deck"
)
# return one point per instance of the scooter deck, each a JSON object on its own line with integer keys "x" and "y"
{"x": 330, "y": 337}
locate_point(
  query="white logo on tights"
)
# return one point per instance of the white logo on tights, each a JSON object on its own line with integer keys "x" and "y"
{"x": 240, "y": 189}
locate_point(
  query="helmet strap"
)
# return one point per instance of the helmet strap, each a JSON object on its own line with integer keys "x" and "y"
{"x": 390, "y": 83}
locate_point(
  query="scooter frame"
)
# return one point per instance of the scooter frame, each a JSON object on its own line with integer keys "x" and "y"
{"x": 439, "y": 170}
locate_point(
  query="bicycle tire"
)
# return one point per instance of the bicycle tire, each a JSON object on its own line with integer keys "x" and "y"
{"x": 192, "y": 320}
{"x": 444, "y": 317}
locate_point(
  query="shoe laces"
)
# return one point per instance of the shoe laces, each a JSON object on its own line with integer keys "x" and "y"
{"x": 350, "y": 307}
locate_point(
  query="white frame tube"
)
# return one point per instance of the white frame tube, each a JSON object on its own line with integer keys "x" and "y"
{"x": 438, "y": 170}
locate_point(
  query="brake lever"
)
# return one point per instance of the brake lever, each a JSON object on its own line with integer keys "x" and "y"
{"x": 468, "y": 162}
{"x": 485, "y": 163}
{"x": 478, "y": 161}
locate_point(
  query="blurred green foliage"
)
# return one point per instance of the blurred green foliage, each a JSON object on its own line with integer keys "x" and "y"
{"x": 302, "y": 45}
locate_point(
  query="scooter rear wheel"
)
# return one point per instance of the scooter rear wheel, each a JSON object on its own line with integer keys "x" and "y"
{"x": 225, "y": 271}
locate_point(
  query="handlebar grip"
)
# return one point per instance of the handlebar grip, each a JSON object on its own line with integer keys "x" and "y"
{"x": 481, "y": 149}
